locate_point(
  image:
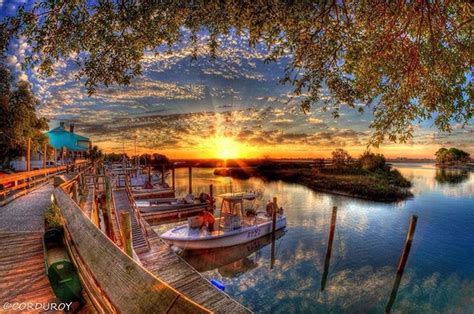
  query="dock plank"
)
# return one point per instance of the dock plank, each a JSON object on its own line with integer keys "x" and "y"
{"x": 22, "y": 269}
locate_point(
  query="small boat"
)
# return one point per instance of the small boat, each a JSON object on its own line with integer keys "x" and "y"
{"x": 157, "y": 191}
{"x": 174, "y": 208}
{"x": 238, "y": 223}
{"x": 60, "y": 270}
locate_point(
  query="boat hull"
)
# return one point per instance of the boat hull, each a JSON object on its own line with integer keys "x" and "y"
{"x": 235, "y": 237}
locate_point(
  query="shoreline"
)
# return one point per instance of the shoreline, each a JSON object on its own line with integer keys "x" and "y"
{"x": 386, "y": 187}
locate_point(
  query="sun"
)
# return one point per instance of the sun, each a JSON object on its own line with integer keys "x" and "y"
{"x": 227, "y": 148}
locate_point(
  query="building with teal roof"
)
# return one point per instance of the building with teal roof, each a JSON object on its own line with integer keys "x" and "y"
{"x": 67, "y": 143}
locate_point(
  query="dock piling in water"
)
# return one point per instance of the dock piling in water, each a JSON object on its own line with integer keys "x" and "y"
{"x": 190, "y": 179}
{"x": 402, "y": 263}
{"x": 173, "y": 178}
{"x": 162, "y": 174}
{"x": 211, "y": 194}
{"x": 274, "y": 217}
{"x": 327, "y": 260}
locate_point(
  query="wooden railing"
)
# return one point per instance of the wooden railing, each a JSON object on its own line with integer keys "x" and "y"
{"x": 15, "y": 185}
{"x": 114, "y": 281}
{"x": 136, "y": 211}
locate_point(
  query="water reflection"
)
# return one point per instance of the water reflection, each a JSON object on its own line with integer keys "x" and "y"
{"x": 439, "y": 275}
{"x": 451, "y": 176}
{"x": 231, "y": 261}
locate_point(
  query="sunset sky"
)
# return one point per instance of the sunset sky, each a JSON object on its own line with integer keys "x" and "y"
{"x": 233, "y": 106}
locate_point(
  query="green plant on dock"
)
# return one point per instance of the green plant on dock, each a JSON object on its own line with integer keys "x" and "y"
{"x": 52, "y": 217}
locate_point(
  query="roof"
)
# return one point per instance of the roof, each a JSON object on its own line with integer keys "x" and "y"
{"x": 59, "y": 137}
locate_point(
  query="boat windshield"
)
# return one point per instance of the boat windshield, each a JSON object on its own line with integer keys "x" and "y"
{"x": 234, "y": 210}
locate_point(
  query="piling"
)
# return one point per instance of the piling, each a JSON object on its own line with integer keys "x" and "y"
{"x": 149, "y": 174}
{"x": 173, "y": 178}
{"x": 274, "y": 217}
{"x": 327, "y": 260}
{"x": 402, "y": 263}
{"x": 190, "y": 178}
{"x": 126, "y": 226}
{"x": 74, "y": 192}
{"x": 211, "y": 194}
{"x": 162, "y": 174}
{"x": 108, "y": 209}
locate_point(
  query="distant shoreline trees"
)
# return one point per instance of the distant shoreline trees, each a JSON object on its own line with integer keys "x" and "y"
{"x": 451, "y": 156}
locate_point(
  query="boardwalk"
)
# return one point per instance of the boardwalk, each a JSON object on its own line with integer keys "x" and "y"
{"x": 22, "y": 272}
{"x": 172, "y": 269}
{"x": 26, "y": 212}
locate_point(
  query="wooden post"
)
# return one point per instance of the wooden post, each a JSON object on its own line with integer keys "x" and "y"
{"x": 163, "y": 174}
{"x": 190, "y": 177}
{"x": 45, "y": 153}
{"x": 211, "y": 194}
{"x": 74, "y": 191}
{"x": 108, "y": 208}
{"x": 402, "y": 263}
{"x": 272, "y": 256}
{"x": 28, "y": 154}
{"x": 274, "y": 217}
{"x": 332, "y": 228}
{"x": 126, "y": 226}
{"x": 173, "y": 182}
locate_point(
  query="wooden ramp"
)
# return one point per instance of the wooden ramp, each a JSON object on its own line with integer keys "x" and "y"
{"x": 175, "y": 271}
{"x": 22, "y": 272}
{"x": 122, "y": 204}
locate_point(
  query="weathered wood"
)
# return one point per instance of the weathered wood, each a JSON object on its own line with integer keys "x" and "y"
{"x": 327, "y": 260}
{"x": 74, "y": 192}
{"x": 128, "y": 285}
{"x": 211, "y": 194}
{"x": 126, "y": 226}
{"x": 274, "y": 216}
{"x": 163, "y": 174}
{"x": 22, "y": 272}
{"x": 165, "y": 264}
{"x": 190, "y": 180}
{"x": 402, "y": 263}
{"x": 173, "y": 178}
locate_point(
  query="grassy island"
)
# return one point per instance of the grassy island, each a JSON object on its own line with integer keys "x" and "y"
{"x": 368, "y": 177}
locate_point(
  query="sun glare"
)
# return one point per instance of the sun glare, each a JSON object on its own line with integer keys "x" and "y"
{"x": 227, "y": 148}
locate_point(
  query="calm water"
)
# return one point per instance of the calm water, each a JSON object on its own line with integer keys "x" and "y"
{"x": 368, "y": 241}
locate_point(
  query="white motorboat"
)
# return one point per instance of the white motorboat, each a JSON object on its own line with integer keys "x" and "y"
{"x": 237, "y": 224}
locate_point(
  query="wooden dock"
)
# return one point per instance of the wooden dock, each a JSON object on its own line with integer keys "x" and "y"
{"x": 122, "y": 204}
{"x": 175, "y": 271}
{"x": 22, "y": 268}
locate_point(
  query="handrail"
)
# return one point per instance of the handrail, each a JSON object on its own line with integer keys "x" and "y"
{"x": 135, "y": 210}
{"x": 34, "y": 173}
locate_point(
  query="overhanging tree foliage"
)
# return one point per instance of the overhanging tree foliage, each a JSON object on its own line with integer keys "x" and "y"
{"x": 18, "y": 120}
{"x": 407, "y": 61}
